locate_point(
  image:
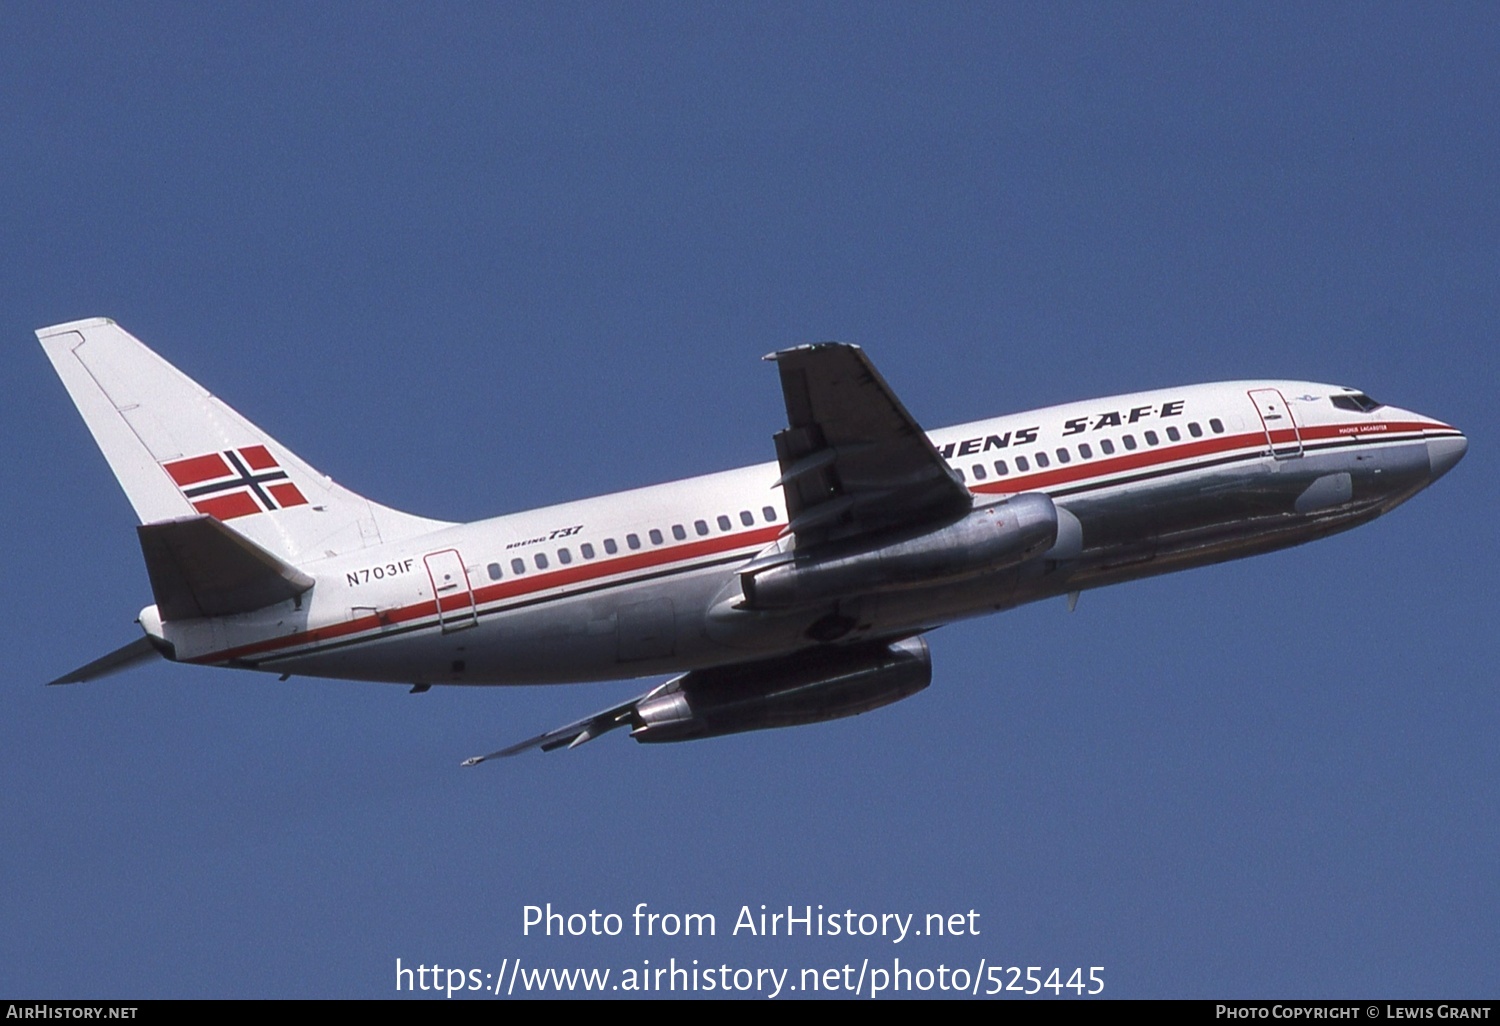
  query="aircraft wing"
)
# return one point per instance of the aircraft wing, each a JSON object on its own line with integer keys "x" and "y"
{"x": 572, "y": 735}
{"x": 853, "y": 460}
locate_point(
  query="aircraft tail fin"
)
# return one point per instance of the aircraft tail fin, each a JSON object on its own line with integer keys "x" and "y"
{"x": 180, "y": 452}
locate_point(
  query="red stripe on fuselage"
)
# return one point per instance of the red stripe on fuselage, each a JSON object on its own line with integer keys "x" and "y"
{"x": 643, "y": 560}
{"x": 516, "y": 587}
{"x": 595, "y": 570}
{"x": 1158, "y": 455}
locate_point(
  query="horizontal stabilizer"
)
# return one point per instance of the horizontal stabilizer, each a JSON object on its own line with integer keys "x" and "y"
{"x": 199, "y": 567}
{"x": 138, "y": 651}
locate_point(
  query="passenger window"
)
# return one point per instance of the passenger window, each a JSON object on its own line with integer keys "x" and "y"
{"x": 541, "y": 561}
{"x": 960, "y": 473}
{"x": 1042, "y": 460}
{"x": 610, "y": 546}
{"x": 564, "y": 556}
{"x": 1216, "y": 425}
{"x": 633, "y": 540}
{"x": 1063, "y": 456}
{"x": 747, "y": 518}
{"x": 700, "y": 527}
{"x": 1084, "y": 451}
{"x": 769, "y": 512}
{"x": 1001, "y": 469}
{"x": 1174, "y": 434}
{"x": 1151, "y": 438}
{"x": 1106, "y": 446}
{"x": 724, "y": 523}
{"x": 655, "y": 536}
{"x": 518, "y": 565}
{"x": 979, "y": 474}
{"x": 679, "y": 532}
{"x": 587, "y": 550}
{"x": 1022, "y": 465}
{"x": 1194, "y": 429}
{"x": 1129, "y": 441}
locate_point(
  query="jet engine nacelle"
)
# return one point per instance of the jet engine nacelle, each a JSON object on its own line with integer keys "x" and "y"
{"x": 990, "y": 538}
{"x": 821, "y": 684}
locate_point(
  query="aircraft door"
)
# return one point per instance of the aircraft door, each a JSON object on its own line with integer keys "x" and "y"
{"x": 1276, "y": 417}
{"x": 452, "y": 593}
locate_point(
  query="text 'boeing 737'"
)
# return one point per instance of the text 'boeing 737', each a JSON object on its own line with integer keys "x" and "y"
{"x": 780, "y": 594}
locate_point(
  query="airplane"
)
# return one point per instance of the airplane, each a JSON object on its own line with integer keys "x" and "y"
{"x": 787, "y": 593}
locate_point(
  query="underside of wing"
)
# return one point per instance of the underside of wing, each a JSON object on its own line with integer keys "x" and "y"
{"x": 853, "y": 460}
{"x": 571, "y": 736}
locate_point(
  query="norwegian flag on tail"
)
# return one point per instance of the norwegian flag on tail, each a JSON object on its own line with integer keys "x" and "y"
{"x": 235, "y": 482}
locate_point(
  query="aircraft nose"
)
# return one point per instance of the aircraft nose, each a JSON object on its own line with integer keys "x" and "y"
{"x": 1444, "y": 453}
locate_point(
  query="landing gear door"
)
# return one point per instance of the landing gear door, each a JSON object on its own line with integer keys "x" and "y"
{"x": 1282, "y": 432}
{"x": 451, "y": 591}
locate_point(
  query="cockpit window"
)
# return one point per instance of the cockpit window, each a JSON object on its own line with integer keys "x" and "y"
{"x": 1358, "y": 402}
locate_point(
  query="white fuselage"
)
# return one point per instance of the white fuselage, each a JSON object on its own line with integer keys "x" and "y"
{"x": 644, "y": 581}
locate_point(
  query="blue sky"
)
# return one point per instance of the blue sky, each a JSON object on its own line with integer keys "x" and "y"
{"x": 470, "y": 259}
